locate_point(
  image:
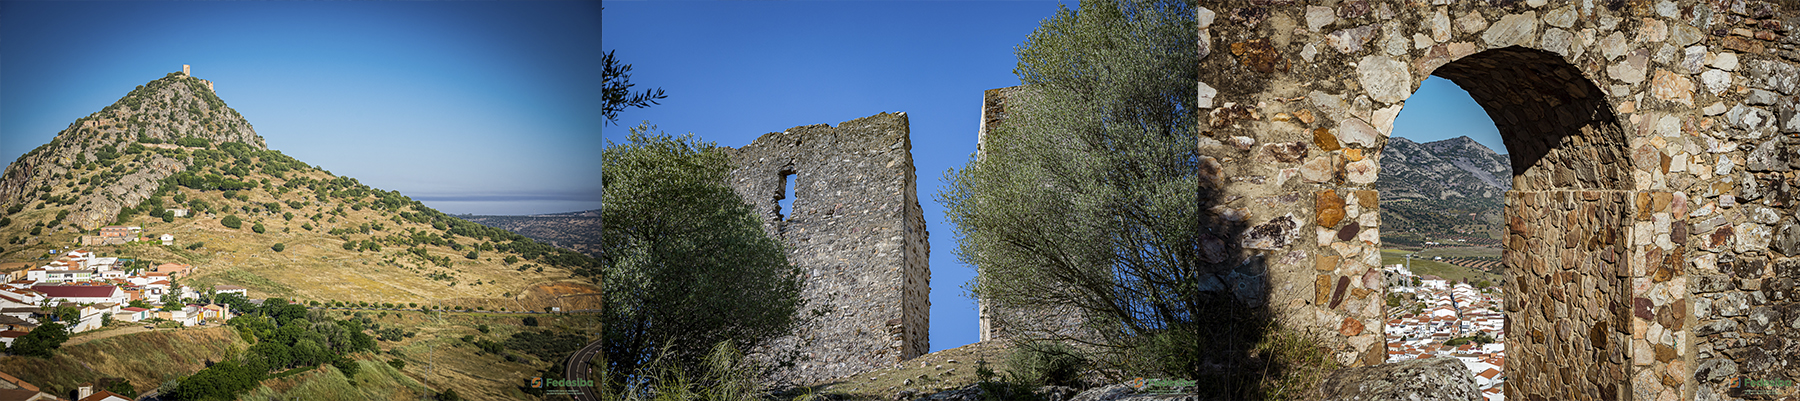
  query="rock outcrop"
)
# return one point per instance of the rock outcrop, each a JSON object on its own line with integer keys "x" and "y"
{"x": 1414, "y": 380}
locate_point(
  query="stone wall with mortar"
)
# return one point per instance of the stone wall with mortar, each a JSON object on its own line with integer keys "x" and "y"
{"x": 1653, "y": 143}
{"x": 856, "y": 231}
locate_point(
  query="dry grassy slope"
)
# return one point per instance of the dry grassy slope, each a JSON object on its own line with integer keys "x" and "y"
{"x": 146, "y": 359}
{"x": 439, "y": 358}
{"x": 938, "y": 371}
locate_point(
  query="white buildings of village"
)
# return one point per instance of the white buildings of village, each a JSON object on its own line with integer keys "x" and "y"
{"x": 1450, "y": 310}
{"x": 99, "y": 288}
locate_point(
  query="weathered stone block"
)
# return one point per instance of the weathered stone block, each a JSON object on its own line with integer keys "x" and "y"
{"x": 1419, "y": 379}
{"x": 1275, "y": 234}
{"x": 1330, "y": 208}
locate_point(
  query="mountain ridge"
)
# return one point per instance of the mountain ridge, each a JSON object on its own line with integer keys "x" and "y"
{"x": 1451, "y": 188}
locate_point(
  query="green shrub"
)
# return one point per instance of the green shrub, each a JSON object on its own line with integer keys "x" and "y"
{"x": 231, "y": 221}
{"x": 1002, "y": 390}
{"x": 724, "y": 374}
{"x": 1047, "y": 363}
{"x": 278, "y": 247}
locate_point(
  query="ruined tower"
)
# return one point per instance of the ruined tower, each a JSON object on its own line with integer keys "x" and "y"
{"x": 858, "y": 234}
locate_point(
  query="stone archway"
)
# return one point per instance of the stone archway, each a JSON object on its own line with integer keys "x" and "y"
{"x": 1626, "y": 120}
{"x": 1568, "y": 218}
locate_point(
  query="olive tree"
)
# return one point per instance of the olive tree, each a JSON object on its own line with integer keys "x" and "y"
{"x": 685, "y": 262}
{"x": 1083, "y": 197}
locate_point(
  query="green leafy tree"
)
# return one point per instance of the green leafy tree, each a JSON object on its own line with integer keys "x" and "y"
{"x": 258, "y": 228}
{"x": 1084, "y": 196}
{"x": 231, "y": 221}
{"x": 615, "y": 89}
{"x": 685, "y": 261}
{"x": 278, "y": 247}
{"x": 42, "y": 341}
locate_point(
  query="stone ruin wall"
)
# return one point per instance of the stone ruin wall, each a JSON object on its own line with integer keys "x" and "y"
{"x": 1652, "y": 244}
{"x": 858, "y": 234}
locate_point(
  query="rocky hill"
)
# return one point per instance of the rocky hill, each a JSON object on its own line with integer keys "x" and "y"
{"x": 157, "y": 115}
{"x": 172, "y": 158}
{"x": 1450, "y": 168}
{"x": 1451, "y": 188}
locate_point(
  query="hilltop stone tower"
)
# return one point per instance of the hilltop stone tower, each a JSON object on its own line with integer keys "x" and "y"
{"x": 184, "y": 70}
{"x": 858, "y": 234}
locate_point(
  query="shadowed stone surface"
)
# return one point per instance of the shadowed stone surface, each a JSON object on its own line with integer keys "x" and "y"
{"x": 1419, "y": 379}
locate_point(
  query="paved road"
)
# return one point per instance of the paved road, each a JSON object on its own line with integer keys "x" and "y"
{"x": 578, "y": 369}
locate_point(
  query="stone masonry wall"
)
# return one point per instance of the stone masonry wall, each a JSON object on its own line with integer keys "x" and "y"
{"x": 1653, "y": 145}
{"x": 858, "y": 234}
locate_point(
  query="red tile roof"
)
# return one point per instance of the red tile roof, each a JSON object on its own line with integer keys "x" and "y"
{"x": 76, "y": 291}
{"x": 103, "y": 395}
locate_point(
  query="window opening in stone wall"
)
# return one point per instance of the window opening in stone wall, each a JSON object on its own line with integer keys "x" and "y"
{"x": 786, "y": 198}
{"x": 1442, "y": 187}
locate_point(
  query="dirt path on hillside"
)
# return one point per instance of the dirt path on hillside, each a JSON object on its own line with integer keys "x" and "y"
{"x": 84, "y": 337}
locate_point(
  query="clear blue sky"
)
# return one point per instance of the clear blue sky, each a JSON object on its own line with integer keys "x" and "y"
{"x": 734, "y": 71}
{"x": 1441, "y": 110}
{"x": 471, "y": 107}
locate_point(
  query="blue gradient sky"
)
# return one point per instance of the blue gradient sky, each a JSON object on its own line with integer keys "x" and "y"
{"x": 471, "y": 107}
{"x": 735, "y": 71}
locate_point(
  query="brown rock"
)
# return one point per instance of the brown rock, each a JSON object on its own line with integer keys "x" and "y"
{"x": 1349, "y": 231}
{"x": 1660, "y": 201}
{"x": 1325, "y": 140}
{"x": 1337, "y": 295}
{"x": 1260, "y": 55}
{"x": 1360, "y": 293}
{"x": 1326, "y": 263}
{"x": 1640, "y": 307}
{"x": 1330, "y": 208}
{"x": 1643, "y": 206}
{"x": 1354, "y": 155}
{"x": 1742, "y": 44}
{"x": 1369, "y": 200}
{"x": 1597, "y": 335}
{"x": 1351, "y": 327}
{"x": 1322, "y": 289}
{"x": 1286, "y": 152}
{"x": 1720, "y": 237}
{"x": 1304, "y": 115}
{"x": 1667, "y": 317}
{"x": 1664, "y": 353}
